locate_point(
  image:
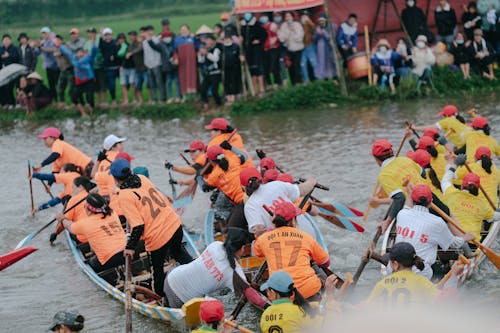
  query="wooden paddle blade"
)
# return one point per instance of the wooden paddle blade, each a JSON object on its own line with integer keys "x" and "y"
{"x": 346, "y": 210}
{"x": 25, "y": 240}
{"x": 492, "y": 256}
{"x": 355, "y": 211}
{"x": 14, "y": 256}
{"x": 342, "y": 222}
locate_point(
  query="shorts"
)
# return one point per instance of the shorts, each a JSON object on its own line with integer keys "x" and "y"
{"x": 100, "y": 79}
{"x": 140, "y": 79}
{"x": 127, "y": 76}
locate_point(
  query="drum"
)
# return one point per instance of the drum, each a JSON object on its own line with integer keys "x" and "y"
{"x": 357, "y": 65}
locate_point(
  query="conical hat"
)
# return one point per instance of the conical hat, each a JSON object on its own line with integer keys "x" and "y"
{"x": 34, "y": 75}
{"x": 204, "y": 30}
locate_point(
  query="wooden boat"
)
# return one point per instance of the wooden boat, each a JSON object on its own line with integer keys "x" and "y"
{"x": 488, "y": 239}
{"x": 145, "y": 301}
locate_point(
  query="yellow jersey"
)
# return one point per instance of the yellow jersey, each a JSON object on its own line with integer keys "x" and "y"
{"x": 489, "y": 181}
{"x": 403, "y": 288}
{"x": 284, "y": 316}
{"x": 203, "y": 329}
{"x": 394, "y": 172}
{"x": 439, "y": 165}
{"x": 455, "y": 136}
{"x": 476, "y": 139}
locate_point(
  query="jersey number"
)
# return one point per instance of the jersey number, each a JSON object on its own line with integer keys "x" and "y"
{"x": 154, "y": 197}
{"x": 400, "y": 296}
{"x": 111, "y": 228}
{"x": 296, "y": 244}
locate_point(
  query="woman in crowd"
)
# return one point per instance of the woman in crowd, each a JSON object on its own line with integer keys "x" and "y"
{"x": 231, "y": 69}
{"x": 325, "y": 69}
{"x": 404, "y": 63}
{"x": 383, "y": 61}
{"x": 309, "y": 55}
{"x": 32, "y": 93}
{"x": 254, "y": 37}
{"x": 291, "y": 34}
{"x": 271, "y": 52}
{"x": 461, "y": 54}
{"x": 482, "y": 55}
{"x": 347, "y": 37}
{"x": 423, "y": 60}
{"x": 471, "y": 19}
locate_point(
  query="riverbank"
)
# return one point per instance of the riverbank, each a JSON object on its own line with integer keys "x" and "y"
{"x": 319, "y": 94}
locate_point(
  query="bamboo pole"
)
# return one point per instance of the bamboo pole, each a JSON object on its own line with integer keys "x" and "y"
{"x": 368, "y": 54}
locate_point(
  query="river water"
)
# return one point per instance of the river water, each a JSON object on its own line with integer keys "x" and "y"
{"x": 332, "y": 145}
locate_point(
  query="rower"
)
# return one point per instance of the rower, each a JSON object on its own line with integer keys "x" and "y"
{"x": 285, "y": 315}
{"x": 290, "y": 249}
{"x": 269, "y": 176}
{"x": 69, "y": 173}
{"x": 211, "y": 316}
{"x": 423, "y": 230}
{"x": 265, "y": 194}
{"x": 480, "y": 136}
{"x": 214, "y": 270}
{"x": 112, "y": 146}
{"x": 452, "y": 124}
{"x": 197, "y": 151}
{"x": 151, "y": 217}
{"x": 423, "y": 158}
{"x": 266, "y": 163}
{"x": 438, "y": 162}
{"x": 220, "y": 131}
{"x": 67, "y": 322}
{"x": 403, "y": 287}
{"x": 102, "y": 229}
{"x": 62, "y": 153}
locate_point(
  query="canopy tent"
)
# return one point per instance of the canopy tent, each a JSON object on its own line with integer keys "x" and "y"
{"x": 259, "y": 6}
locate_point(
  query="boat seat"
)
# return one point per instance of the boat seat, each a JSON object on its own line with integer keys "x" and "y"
{"x": 450, "y": 254}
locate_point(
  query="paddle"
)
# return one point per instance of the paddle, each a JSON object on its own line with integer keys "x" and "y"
{"x": 172, "y": 183}
{"x": 463, "y": 261}
{"x": 31, "y": 190}
{"x": 492, "y": 256}
{"x": 234, "y": 325}
{"x": 32, "y": 235}
{"x": 318, "y": 186}
{"x": 185, "y": 159}
{"x": 365, "y": 259}
{"x": 492, "y": 204}
{"x": 243, "y": 300}
{"x": 338, "y": 208}
{"x": 375, "y": 188}
{"x": 128, "y": 295}
{"x": 14, "y": 256}
{"x": 340, "y": 221}
{"x": 472, "y": 112}
{"x": 47, "y": 189}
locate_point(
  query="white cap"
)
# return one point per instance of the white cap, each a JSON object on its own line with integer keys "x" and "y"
{"x": 106, "y": 31}
{"x": 45, "y": 29}
{"x": 111, "y": 140}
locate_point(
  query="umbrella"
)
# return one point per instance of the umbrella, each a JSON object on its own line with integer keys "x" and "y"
{"x": 12, "y": 72}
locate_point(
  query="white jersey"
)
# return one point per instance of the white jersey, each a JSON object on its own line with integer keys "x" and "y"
{"x": 206, "y": 274}
{"x": 267, "y": 194}
{"x": 425, "y": 232}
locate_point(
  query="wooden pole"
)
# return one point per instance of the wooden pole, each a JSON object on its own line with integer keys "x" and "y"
{"x": 333, "y": 44}
{"x": 128, "y": 292}
{"x": 30, "y": 179}
{"x": 368, "y": 55}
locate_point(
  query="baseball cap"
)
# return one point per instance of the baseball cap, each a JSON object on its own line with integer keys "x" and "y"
{"x": 211, "y": 311}
{"x": 224, "y": 16}
{"x": 381, "y": 148}
{"x": 125, "y": 156}
{"x": 420, "y": 156}
{"x": 403, "y": 252}
{"x": 431, "y": 132}
{"x": 50, "y": 132}
{"x": 165, "y": 21}
{"x": 248, "y": 173}
{"x": 280, "y": 281}
{"x": 45, "y": 29}
{"x": 120, "y": 168}
{"x": 479, "y": 122}
{"x": 195, "y": 145}
{"x": 74, "y": 31}
{"x": 448, "y": 111}
{"x": 426, "y": 141}
{"x": 285, "y": 177}
{"x": 22, "y": 35}
{"x": 141, "y": 170}
{"x": 67, "y": 318}
{"x": 471, "y": 178}
{"x": 92, "y": 29}
{"x": 482, "y": 151}
{"x": 111, "y": 140}
{"x": 270, "y": 175}
{"x": 107, "y": 31}
{"x": 217, "y": 124}
{"x": 214, "y": 152}
{"x": 286, "y": 210}
{"x": 420, "y": 193}
{"x": 268, "y": 163}
{"x": 121, "y": 35}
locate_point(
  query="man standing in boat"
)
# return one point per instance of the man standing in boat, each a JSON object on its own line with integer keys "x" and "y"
{"x": 150, "y": 217}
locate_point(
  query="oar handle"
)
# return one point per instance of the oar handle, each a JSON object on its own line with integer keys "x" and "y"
{"x": 185, "y": 159}
{"x": 482, "y": 189}
{"x": 367, "y": 211}
{"x": 364, "y": 262}
{"x": 463, "y": 261}
{"x": 321, "y": 187}
{"x": 32, "y": 201}
{"x": 472, "y": 112}
{"x": 412, "y": 129}
{"x": 234, "y": 325}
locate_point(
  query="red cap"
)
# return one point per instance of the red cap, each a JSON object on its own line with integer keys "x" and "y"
{"x": 431, "y": 132}
{"x": 471, "y": 178}
{"x": 286, "y": 210}
{"x": 420, "y": 192}
{"x": 217, "y": 124}
{"x": 448, "y": 111}
{"x": 248, "y": 173}
{"x": 211, "y": 311}
{"x": 481, "y": 151}
{"x": 125, "y": 156}
{"x": 50, "y": 132}
{"x": 270, "y": 175}
{"x": 285, "y": 177}
{"x": 420, "y": 156}
{"x": 381, "y": 148}
{"x": 213, "y": 152}
{"x": 267, "y": 163}
{"x": 196, "y": 145}
{"x": 425, "y": 142}
{"x": 479, "y": 122}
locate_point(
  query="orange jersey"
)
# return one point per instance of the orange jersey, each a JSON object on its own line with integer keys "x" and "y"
{"x": 68, "y": 154}
{"x": 105, "y": 182}
{"x": 77, "y": 213}
{"x": 149, "y": 207}
{"x": 105, "y": 235}
{"x": 228, "y": 181}
{"x": 291, "y": 250}
{"x": 201, "y": 160}
{"x": 66, "y": 178}
{"x": 236, "y": 141}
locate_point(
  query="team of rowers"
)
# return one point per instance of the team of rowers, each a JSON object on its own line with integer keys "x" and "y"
{"x": 265, "y": 208}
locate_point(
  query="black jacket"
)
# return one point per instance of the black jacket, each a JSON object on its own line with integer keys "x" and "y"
{"x": 109, "y": 51}
{"x": 13, "y": 57}
{"x": 446, "y": 21}
{"x": 29, "y": 58}
{"x": 415, "y": 22}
